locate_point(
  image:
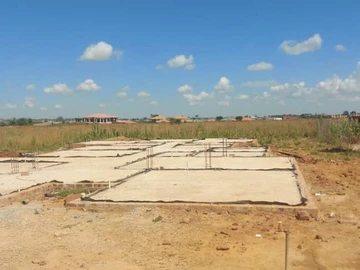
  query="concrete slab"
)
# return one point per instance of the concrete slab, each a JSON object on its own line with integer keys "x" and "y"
{"x": 5, "y": 168}
{"x": 241, "y": 149}
{"x": 206, "y": 186}
{"x": 234, "y": 154}
{"x": 89, "y": 153}
{"x": 246, "y": 163}
{"x": 113, "y": 148}
{"x": 11, "y": 183}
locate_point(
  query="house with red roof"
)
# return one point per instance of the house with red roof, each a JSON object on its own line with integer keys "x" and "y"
{"x": 101, "y": 118}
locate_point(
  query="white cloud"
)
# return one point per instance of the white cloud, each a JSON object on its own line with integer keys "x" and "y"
{"x": 30, "y": 87}
{"x": 348, "y": 98}
{"x": 58, "y": 106}
{"x": 98, "y": 52}
{"x": 43, "y": 108}
{"x": 340, "y": 47}
{"x": 158, "y": 67}
{"x": 88, "y": 86}
{"x": 293, "y": 47}
{"x": 131, "y": 100}
{"x": 242, "y": 97}
{"x": 262, "y": 96}
{"x": 260, "y": 66}
{"x": 102, "y": 105}
{"x": 126, "y": 88}
{"x": 29, "y": 102}
{"x": 280, "y": 88}
{"x": 260, "y": 83}
{"x": 123, "y": 91}
{"x": 224, "y": 86}
{"x": 184, "y": 89}
{"x": 59, "y": 88}
{"x": 190, "y": 66}
{"x": 223, "y": 102}
{"x": 10, "y": 106}
{"x": 121, "y": 94}
{"x": 153, "y": 102}
{"x": 197, "y": 99}
{"x": 182, "y": 61}
{"x": 101, "y": 51}
{"x": 143, "y": 94}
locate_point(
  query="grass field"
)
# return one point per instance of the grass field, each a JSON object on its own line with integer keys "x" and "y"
{"x": 312, "y": 134}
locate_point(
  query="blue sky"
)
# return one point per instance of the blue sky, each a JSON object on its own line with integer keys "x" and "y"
{"x": 134, "y": 58}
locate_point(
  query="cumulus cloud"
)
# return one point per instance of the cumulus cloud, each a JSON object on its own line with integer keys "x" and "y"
{"x": 153, "y": 102}
{"x": 88, "y": 86}
{"x": 59, "y": 88}
{"x": 262, "y": 96}
{"x": 293, "y": 47}
{"x": 184, "y": 89}
{"x": 58, "y": 106}
{"x": 340, "y": 47}
{"x": 121, "y": 94}
{"x": 182, "y": 61}
{"x": 29, "y": 102}
{"x": 280, "y": 88}
{"x": 223, "y": 86}
{"x": 260, "y": 66}
{"x": 102, "y": 105}
{"x": 342, "y": 89}
{"x": 143, "y": 94}
{"x": 101, "y": 51}
{"x": 197, "y": 99}
{"x": 43, "y": 108}
{"x": 123, "y": 91}
{"x": 10, "y": 106}
{"x": 158, "y": 67}
{"x": 30, "y": 87}
{"x": 242, "y": 97}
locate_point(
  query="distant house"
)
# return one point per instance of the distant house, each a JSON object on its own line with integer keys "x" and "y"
{"x": 100, "y": 118}
{"x": 159, "y": 119}
{"x": 183, "y": 119}
{"x": 247, "y": 119}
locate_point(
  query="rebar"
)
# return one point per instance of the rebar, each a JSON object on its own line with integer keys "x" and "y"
{"x": 286, "y": 248}
{"x": 209, "y": 155}
{"x": 205, "y": 153}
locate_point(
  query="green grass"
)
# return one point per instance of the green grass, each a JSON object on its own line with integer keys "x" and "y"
{"x": 66, "y": 192}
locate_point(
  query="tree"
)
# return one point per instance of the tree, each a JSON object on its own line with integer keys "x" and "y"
{"x": 353, "y": 113}
{"x": 153, "y": 115}
{"x": 60, "y": 119}
{"x": 346, "y": 113}
{"x": 219, "y": 118}
{"x": 238, "y": 118}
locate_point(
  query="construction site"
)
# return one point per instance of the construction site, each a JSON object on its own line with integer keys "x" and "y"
{"x": 240, "y": 195}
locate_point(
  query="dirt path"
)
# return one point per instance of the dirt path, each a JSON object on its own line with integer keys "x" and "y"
{"x": 45, "y": 235}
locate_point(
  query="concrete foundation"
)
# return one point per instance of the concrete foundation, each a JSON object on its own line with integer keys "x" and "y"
{"x": 166, "y": 172}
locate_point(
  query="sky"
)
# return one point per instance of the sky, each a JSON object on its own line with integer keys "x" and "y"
{"x": 207, "y": 58}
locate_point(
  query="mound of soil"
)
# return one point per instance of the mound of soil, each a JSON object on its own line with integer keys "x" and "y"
{"x": 253, "y": 143}
{"x": 9, "y": 154}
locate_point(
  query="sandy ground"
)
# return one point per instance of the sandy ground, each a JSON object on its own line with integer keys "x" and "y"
{"x": 45, "y": 235}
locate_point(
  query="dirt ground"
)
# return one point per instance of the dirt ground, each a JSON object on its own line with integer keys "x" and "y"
{"x": 45, "y": 235}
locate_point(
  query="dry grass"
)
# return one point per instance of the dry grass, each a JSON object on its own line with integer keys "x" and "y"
{"x": 279, "y": 133}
